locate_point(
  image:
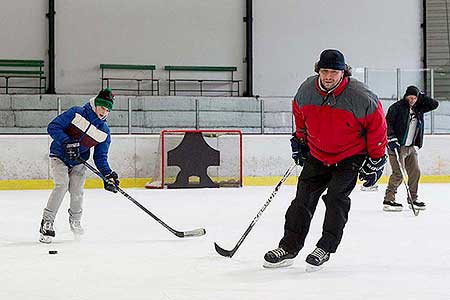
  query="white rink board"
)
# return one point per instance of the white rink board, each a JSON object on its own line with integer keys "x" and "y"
{"x": 134, "y": 156}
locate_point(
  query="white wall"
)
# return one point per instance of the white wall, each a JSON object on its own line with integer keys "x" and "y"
{"x": 23, "y": 33}
{"x": 290, "y": 36}
{"x": 161, "y": 32}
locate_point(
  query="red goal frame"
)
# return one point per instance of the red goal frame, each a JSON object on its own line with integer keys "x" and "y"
{"x": 167, "y": 131}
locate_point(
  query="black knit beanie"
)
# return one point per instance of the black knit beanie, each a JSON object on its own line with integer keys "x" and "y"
{"x": 331, "y": 59}
{"x": 412, "y": 91}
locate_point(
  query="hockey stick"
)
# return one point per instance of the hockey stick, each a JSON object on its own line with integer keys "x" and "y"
{"x": 230, "y": 253}
{"x": 410, "y": 202}
{"x": 180, "y": 234}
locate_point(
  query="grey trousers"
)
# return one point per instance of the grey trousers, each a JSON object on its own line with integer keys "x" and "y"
{"x": 66, "y": 179}
{"x": 409, "y": 161}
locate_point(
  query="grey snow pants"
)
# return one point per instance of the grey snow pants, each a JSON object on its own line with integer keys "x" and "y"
{"x": 66, "y": 179}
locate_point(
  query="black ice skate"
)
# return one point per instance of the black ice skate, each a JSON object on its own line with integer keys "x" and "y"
{"x": 392, "y": 206}
{"x": 47, "y": 232}
{"x": 417, "y": 205}
{"x": 316, "y": 259}
{"x": 75, "y": 227}
{"x": 278, "y": 258}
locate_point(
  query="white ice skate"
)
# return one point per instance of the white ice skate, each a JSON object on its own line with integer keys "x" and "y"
{"x": 45, "y": 239}
{"x": 47, "y": 232}
{"x": 76, "y": 228}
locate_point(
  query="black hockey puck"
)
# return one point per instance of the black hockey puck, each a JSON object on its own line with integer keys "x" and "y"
{"x": 52, "y": 252}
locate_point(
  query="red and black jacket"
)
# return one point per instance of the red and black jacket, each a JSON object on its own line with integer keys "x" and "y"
{"x": 336, "y": 125}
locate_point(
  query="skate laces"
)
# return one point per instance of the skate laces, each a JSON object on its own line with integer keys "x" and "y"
{"x": 48, "y": 226}
{"x": 279, "y": 252}
{"x": 319, "y": 253}
{"x": 75, "y": 223}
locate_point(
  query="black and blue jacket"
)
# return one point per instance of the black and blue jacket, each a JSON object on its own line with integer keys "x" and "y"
{"x": 83, "y": 125}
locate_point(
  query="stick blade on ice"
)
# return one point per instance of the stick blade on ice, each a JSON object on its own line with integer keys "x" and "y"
{"x": 195, "y": 232}
{"x": 223, "y": 252}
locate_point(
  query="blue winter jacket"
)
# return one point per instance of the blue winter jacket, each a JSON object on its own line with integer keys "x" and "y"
{"x": 83, "y": 125}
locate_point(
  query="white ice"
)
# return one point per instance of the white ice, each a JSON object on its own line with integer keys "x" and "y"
{"x": 125, "y": 254}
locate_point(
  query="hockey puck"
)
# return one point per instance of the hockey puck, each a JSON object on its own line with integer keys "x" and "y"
{"x": 52, "y": 252}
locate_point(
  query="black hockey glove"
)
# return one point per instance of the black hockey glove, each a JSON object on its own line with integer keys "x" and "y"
{"x": 72, "y": 150}
{"x": 393, "y": 144}
{"x": 371, "y": 170}
{"x": 300, "y": 151}
{"x": 112, "y": 182}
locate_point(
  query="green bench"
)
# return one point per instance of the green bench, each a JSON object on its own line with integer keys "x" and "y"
{"x": 228, "y": 80}
{"x": 154, "y": 83}
{"x": 11, "y": 69}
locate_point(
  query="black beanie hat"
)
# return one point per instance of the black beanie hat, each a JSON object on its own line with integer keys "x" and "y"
{"x": 412, "y": 90}
{"x": 331, "y": 59}
{"x": 105, "y": 98}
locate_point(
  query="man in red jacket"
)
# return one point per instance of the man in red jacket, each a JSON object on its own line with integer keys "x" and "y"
{"x": 340, "y": 132}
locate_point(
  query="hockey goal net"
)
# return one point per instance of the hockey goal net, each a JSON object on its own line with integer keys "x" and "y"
{"x": 184, "y": 155}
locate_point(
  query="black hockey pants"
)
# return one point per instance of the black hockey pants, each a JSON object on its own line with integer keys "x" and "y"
{"x": 315, "y": 178}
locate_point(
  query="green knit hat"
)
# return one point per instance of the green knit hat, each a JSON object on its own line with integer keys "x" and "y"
{"x": 105, "y": 98}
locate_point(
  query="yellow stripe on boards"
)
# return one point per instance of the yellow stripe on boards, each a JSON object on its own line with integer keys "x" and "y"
{"x": 272, "y": 180}
{"x": 45, "y": 184}
{"x": 37, "y": 184}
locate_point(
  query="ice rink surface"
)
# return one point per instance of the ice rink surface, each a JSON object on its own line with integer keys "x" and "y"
{"x": 125, "y": 254}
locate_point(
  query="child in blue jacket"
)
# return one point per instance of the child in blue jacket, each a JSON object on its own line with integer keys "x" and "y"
{"x": 74, "y": 133}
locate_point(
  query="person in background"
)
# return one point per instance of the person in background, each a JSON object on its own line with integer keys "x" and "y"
{"x": 405, "y": 133}
{"x": 74, "y": 133}
{"x": 340, "y": 133}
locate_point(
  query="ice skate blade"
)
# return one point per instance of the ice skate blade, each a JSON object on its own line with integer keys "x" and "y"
{"x": 369, "y": 189}
{"x": 77, "y": 232}
{"x": 390, "y": 208}
{"x": 45, "y": 239}
{"x": 417, "y": 207}
{"x": 311, "y": 268}
{"x": 281, "y": 264}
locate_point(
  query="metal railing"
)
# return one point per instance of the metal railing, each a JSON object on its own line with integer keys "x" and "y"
{"x": 23, "y": 114}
